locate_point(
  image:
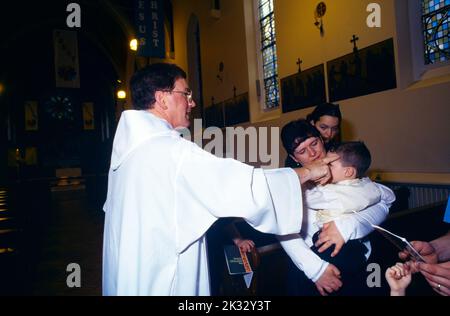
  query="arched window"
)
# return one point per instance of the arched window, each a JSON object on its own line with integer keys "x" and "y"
{"x": 168, "y": 25}
{"x": 268, "y": 53}
{"x": 435, "y": 25}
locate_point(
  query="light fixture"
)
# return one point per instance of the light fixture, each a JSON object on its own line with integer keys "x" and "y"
{"x": 121, "y": 94}
{"x": 134, "y": 44}
{"x": 220, "y": 74}
{"x": 215, "y": 9}
{"x": 319, "y": 12}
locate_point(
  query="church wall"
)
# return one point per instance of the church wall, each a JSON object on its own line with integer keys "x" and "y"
{"x": 405, "y": 128}
{"x": 298, "y": 37}
{"x": 221, "y": 39}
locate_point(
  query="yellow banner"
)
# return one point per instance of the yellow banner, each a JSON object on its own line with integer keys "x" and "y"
{"x": 31, "y": 116}
{"x": 88, "y": 116}
{"x": 67, "y": 71}
{"x": 31, "y": 156}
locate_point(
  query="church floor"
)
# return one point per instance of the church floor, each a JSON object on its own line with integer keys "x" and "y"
{"x": 74, "y": 236}
{"x": 68, "y": 230}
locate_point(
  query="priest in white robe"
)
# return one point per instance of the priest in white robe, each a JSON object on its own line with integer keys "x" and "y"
{"x": 164, "y": 192}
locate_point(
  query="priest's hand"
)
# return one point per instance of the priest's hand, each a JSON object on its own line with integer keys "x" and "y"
{"x": 329, "y": 281}
{"x": 328, "y": 237}
{"x": 318, "y": 171}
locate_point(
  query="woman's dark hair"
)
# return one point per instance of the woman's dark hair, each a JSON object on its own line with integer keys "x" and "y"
{"x": 296, "y": 132}
{"x": 146, "y": 81}
{"x": 324, "y": 109}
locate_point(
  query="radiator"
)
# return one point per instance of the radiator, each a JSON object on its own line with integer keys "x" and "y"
{"x": 422, "y": 194}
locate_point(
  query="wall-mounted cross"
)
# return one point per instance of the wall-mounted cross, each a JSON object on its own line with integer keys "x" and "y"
{"x": 299, "y": 63}
{"x": 353, "y": 40}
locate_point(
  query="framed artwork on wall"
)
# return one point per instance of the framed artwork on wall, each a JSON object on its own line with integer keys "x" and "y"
{"x": 365, "y": 71}
{"x": 303, "y": 89}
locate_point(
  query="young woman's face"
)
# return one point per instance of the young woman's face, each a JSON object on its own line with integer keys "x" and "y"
{"x": 309, "y": 150}
{"x": 328, "y": 126}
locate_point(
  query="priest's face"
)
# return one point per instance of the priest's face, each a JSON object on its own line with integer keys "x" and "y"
{"x": 179, "y": 104}
{"x": 309, "y": 150}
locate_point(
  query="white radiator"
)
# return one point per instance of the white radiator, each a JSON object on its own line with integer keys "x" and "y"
{"x": 421, "y": 195}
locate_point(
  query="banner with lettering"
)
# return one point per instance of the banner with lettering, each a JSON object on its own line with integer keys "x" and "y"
{"x": 67, "y": 71}
{"x": 149, "y": 16}
{"x": 31, "y": 116}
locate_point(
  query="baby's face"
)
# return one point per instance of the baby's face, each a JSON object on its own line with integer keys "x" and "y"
{"x": 338, "y": 172}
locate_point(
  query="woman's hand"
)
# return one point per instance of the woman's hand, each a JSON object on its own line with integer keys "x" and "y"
{"x": 329, "y": 236}
{"x": 329, "y": 281}
{"x": 245, "y": 245}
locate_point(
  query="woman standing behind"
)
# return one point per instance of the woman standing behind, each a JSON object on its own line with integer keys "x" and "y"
{"x": 326, "y": 118}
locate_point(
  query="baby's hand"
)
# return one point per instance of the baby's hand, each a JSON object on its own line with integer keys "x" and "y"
{"x": 398, "y": 278}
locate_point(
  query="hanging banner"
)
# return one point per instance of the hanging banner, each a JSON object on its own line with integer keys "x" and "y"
{"x": 88, "y": 116}
{"x": 13, "y": 157}
{"x": 31, "y": 156}
{"x": 149, "y": 16}
{"x": 31, "y": 117}
{"x": 67, "y": 71}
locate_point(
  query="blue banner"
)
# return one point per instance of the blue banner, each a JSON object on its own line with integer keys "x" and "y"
{"x": 150, "y": 28}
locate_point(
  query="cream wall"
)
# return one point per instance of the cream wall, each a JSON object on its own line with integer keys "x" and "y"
{"x": 297, "y": 36}
{"x": 221, "y": 40}
{"x": 407, "y": 129}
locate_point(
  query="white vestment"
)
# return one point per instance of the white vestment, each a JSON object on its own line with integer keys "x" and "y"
{"x": 164, "y": 192}
{"x": 338, "y": 202}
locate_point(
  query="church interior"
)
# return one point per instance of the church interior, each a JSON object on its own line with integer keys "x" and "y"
{"x": 65, "y": 68}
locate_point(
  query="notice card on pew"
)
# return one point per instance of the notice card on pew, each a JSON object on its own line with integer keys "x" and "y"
{"x": 238, "y": 263}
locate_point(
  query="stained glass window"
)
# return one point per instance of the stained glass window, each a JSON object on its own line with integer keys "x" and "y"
{"x": 435, "y": 23}
{"x": 269, "y": 53}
